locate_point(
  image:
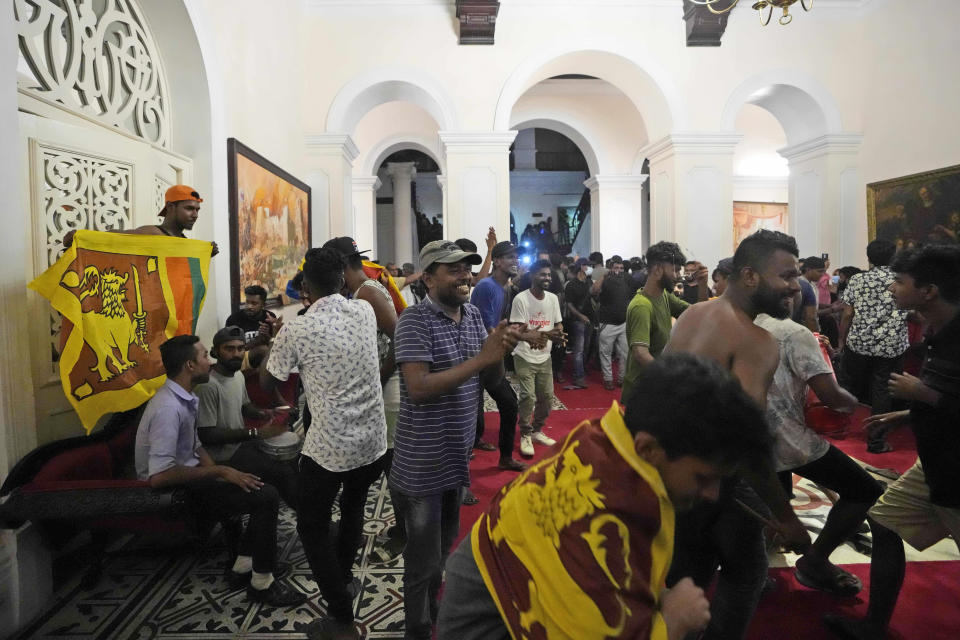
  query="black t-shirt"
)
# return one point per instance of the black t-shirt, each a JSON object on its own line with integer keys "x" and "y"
{"x": 938, "y": 428}
{"x": 691, "y": 293}
{"x": 577, "y": 294}
{"x": 615, "y": 294}
{"x": 249, "y": 324}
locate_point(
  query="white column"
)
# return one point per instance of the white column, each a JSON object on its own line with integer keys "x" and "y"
{"x": 478, "y": 184}
{"x": 329, "y": 173}
{"x": 365, "y": 213}
{"x": 29, "y": 582}
{"x": 402, "y": 174}
{"x": 827, "y": 212}
{"x": 525, "y": 151}
{"x": 442, "y": 181}
{"x": 691, "y": 193}
{"x": 616, "y": 216}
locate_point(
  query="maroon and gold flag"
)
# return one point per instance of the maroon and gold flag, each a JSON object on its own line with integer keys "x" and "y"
{"x": 121, "y": 297}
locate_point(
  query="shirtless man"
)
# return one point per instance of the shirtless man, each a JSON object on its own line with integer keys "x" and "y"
{"x": 764, "y": 280}
{"x": 180, "y": 212}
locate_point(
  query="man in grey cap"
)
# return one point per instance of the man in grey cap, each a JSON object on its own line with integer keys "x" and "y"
{"x": 443, "y": 349}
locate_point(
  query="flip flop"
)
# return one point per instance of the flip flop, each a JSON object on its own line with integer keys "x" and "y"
{"x": 843, "y": 583}
{"x": 470, "y": 499}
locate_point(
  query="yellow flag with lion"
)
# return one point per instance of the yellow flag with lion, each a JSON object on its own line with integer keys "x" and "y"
{"x": 121, "y": 296}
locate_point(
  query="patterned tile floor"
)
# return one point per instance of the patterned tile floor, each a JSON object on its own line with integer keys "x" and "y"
{"x": 171, "y": 596}
{"x": 177, "y": 596}
{"x": 181, "y": 595}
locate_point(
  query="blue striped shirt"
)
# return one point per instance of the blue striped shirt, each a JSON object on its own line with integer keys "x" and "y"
{"x": 434, "y": 439}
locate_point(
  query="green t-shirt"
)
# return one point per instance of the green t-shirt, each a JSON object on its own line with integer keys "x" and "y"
{"x": 648, "y": 323}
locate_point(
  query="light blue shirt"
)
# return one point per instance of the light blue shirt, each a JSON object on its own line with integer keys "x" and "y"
{"x": 167, "y": 435}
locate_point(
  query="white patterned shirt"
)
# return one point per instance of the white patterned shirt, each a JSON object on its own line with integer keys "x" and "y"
{"x": 879, "y": 329}
{"x": 334, "y": 345}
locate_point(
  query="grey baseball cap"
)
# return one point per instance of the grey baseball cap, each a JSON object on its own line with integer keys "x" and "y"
{"x": 445, "y": 252}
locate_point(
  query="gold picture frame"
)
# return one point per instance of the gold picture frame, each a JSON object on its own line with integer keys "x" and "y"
{"x": 916, "y": 209}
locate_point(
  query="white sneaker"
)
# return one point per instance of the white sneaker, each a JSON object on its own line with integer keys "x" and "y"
{"x": 541, "y": 438}
{"x": 526, "y": 446}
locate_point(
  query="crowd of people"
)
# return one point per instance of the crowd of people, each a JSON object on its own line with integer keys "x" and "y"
{"x": 620, "y": 530}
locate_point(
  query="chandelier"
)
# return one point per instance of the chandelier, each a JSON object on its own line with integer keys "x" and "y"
{"x": 763, "y": 7}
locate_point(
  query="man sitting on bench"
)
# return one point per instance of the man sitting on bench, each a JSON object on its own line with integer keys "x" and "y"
{"x": 168, "y": 454}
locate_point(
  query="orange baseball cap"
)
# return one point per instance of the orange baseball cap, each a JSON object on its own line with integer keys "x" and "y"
{"x": 179, "y": 192}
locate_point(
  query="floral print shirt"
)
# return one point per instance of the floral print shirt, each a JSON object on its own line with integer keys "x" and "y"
{"x": 879, "y": 329}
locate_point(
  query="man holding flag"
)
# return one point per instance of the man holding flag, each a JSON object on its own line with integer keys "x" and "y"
{"x": 121, "y": 296}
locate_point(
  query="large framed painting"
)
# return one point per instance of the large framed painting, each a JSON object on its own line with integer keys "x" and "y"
{"x": 753, "y": 216}
{"x": 916, "y": 209}
{"x": 269, "y": 223}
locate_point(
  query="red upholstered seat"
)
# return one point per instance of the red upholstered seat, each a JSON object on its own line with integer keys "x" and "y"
{"x": 93, "y": 462}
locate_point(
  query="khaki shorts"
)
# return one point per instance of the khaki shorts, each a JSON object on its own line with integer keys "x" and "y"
{"x": 906, "y": 509}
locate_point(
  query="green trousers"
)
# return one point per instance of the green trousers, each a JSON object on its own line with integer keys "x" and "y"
{"x": 536, "y": 393}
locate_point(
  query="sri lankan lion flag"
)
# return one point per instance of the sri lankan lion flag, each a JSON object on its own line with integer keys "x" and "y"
{"x": 121, "y": 297}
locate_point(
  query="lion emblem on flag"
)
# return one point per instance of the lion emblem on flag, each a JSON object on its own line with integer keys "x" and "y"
{"x": 116, "y": 329}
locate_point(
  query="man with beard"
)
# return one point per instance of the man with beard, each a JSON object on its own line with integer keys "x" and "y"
{"x": 649, "y": 314}
{"x": 492, "y": 298}
{"x": 578, "y": 547}
{"x": 258, "y": 323}
{"x": 443, "y": 349}
{"x": 539, "y": 311}
{"x": 168, "y": 454}
{"x": 181, "y": 208}
{"x": 615, "y": 294}
{"x": 224, "y": 404}
{"x": 764, "y": 280}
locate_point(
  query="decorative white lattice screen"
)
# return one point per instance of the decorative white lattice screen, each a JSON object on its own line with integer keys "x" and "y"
{"x": 95, "y": 58}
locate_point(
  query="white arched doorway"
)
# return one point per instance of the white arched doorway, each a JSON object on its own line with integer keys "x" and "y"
{"x": 346, "y": 205}
{"x": 594, "y": 98}
{"x": 824, "y": 204}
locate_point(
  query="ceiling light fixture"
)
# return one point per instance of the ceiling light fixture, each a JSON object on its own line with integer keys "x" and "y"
{"x": 763, "y": 7}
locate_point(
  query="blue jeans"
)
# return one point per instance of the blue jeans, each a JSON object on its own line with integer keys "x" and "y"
{"x": 723, "y": 535}
{"x": 469, "y": 611}
{"x": 581, "y": 332}
{"x": 432, "y": 523}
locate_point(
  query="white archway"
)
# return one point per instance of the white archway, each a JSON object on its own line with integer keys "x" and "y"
{"x": 648, "y": 87}
{"x": 383, "y": 149}
{"x": 376, "y": 87}
{"x": 569, "y": 131}
{"x": 803, "y": 106}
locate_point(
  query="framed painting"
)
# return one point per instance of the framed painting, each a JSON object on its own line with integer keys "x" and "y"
{"x": 916, "y": 209}
{"x": 269, "y": 223}
{"x": 753, "y": 216}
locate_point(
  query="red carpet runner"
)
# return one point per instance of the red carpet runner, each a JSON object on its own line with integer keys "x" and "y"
{"x": 928, "y": 606}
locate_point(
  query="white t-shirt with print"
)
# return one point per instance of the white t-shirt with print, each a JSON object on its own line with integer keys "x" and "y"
{"x": 800, "y": 359}
{"x": 539, "y": 315}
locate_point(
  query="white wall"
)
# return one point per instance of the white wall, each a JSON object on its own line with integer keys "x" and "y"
{"x": 610, "y": 127}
